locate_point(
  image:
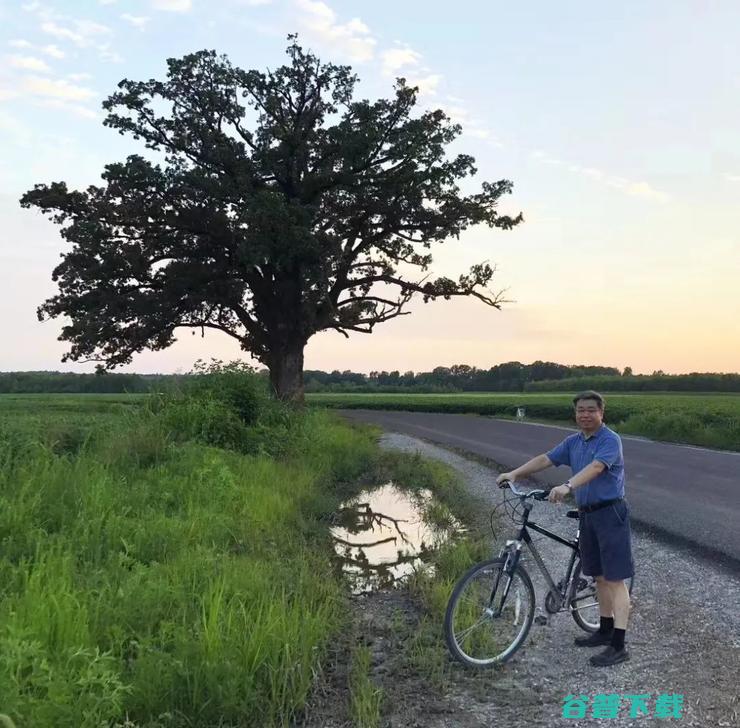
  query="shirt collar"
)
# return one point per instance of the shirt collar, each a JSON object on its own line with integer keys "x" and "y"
{"x": 595, "y": 435}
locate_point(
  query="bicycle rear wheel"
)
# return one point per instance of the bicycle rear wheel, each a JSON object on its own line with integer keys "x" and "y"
{"x": 476, "y": 633}
{"x": 583, "y": 600}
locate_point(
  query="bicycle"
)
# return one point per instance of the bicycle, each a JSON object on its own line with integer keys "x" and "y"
{"x": 498, "y": 591}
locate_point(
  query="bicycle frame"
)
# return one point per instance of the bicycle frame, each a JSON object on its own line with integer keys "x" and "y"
{"x": 514, "y": 547}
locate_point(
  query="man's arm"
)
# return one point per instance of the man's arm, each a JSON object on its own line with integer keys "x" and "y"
{"x": 579, "y": 479}
{"x": 586, "y": 475}
{"x": 541, "y": 462}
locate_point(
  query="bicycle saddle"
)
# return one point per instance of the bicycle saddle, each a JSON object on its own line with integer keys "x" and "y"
{"x": 572, "y": 514}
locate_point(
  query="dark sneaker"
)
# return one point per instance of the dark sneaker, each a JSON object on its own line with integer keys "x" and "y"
{"x": 610, "y": 656}
{"x": 596, "y": 639}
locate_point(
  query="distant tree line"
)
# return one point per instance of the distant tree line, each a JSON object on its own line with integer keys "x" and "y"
{"x": 508, "y": 377}
{"x": 540, "y": 376}
{"x": 695, "y": 382}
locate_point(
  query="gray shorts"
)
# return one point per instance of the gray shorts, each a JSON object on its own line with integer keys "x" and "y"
{"x": 606, "y": 544}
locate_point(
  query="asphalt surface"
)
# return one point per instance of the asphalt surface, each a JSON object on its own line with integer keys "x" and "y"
{"x": 687, "y": 495}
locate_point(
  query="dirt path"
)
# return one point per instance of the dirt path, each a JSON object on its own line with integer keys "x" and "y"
{"x": 684, "y": 639}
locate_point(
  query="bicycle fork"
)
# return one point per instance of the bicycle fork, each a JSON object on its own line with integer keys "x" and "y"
{"x": 512, "y": 550}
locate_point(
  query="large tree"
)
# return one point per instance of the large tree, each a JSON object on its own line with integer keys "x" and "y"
{"x": 273, "y": 206}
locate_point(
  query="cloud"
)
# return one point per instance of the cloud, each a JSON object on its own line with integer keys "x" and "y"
{"x": 643, "y": 189}
{"x": 138, "y": 21}
{"x": 427, "y": 84}
{"x": 397, "y": 58}
{"x": 53, "y": 51}
{"x": 471, "y": 127}
{"x": 66, "y": 94}
{"x": 404, "y": 57}
{"x": 59, "y": 32}
{"x": 630, "y": 187}
{"x": 84, "y": 34}
{"x": 457, "y": 114}
{"x": 173, "y": 6}
{"x": 49, "y": 50}
{"x": 106, "y": 54}
{"x": 352, "y": 39}
{"x": 29, "y": 63}
{"x": 77, "y": 109}
{"x": 597, "y": 174}
{"x": 58, "y": 89}
{"x": 544, "y": 157}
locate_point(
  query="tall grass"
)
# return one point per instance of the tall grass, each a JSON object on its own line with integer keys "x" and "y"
{"x": 171, "y": 567}
{"x": 366, "y": 697}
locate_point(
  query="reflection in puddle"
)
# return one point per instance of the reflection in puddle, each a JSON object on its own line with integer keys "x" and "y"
{"x": 385, "y": 534}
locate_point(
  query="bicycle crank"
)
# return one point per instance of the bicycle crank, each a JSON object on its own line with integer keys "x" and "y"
{"x": 554, "y": 600}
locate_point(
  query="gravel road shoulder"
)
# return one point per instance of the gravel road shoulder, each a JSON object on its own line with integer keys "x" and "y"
{"x": 684, "y": 635}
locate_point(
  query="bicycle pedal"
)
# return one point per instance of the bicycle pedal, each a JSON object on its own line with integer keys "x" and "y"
{"x": 541, "y": 620}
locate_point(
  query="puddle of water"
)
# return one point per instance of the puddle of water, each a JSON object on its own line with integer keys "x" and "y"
{"x": 382, "y": 535}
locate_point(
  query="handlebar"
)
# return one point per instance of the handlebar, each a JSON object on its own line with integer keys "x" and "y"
{"x": 537, "y": 494}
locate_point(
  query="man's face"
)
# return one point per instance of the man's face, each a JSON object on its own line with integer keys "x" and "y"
{"x": 588, "y": 414}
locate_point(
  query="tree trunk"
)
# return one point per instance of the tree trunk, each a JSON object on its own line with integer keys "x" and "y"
{"x": 286, "y": 373}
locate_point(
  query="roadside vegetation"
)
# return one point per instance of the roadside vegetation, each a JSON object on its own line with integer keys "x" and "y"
{"x": 708, "y": 420}
{"x": 166, "y": 561}
{"x": 169, "y": 564}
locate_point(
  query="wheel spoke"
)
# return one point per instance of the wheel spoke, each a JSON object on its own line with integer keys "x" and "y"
{"x": 462, "y": 635}
{"x": 584, "y": 602}
{"x": 479, "y": 602}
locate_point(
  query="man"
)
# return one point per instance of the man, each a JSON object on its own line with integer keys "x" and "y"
{"x": 594, "y": 455}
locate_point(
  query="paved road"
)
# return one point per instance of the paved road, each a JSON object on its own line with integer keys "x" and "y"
{"x": 689, "y": 495}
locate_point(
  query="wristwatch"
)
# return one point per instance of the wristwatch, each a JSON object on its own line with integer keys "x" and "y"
{"x": 568, "y": 485}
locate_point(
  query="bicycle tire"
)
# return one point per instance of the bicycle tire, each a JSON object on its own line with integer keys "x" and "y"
{"x": 495, "y": 566}
{"x": 582, "y": 620}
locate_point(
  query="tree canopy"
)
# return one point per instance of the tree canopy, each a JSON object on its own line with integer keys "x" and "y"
{"x": 272, "y": 206}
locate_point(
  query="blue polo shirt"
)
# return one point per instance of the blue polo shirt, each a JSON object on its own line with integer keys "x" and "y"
{"x": 578, "y": 451}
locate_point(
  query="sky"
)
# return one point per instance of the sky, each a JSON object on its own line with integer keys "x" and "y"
{"x": 618, "y": 123}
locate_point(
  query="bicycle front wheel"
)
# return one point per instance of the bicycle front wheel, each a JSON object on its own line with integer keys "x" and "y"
{"x": 489, "y": 614}
{"x": 583, "y": 600}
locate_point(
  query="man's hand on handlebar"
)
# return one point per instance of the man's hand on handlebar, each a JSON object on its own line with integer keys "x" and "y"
{"x": 537, "y": 494}
{"x": 558, "y": 493}
{"x": 504, "y": 477}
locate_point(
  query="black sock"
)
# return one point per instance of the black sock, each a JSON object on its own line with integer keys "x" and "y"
{"x": 607, "y": 625}
{"x": 618, "y": 639}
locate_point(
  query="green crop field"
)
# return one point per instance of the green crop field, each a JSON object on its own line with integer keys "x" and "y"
{"x": 65, "y": 403}
{"x": 710, "y": 420}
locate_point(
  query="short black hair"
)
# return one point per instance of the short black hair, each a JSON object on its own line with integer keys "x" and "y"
{"x": 590, "y": 394}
